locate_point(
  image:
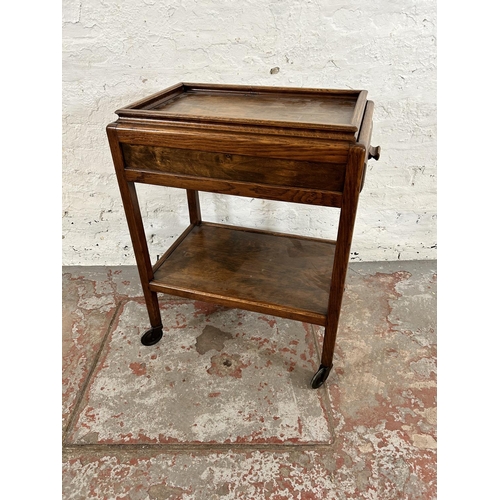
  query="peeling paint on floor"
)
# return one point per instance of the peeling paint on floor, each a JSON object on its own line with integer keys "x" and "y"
{"x": 257, "y": 373}
{"x": 221, "y": 406}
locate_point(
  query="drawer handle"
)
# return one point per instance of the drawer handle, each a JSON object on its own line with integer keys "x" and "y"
{"x": 374, "y": 152}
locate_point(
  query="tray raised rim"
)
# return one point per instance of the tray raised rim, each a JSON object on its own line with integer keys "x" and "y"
{"x": 144, "y": 107}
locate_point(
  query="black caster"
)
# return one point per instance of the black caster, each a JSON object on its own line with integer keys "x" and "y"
{"x": 320, "y": 376}
{"x": 151, "y": 337}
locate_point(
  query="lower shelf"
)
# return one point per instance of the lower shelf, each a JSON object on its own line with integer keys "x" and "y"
{"x": 282, "y": 275}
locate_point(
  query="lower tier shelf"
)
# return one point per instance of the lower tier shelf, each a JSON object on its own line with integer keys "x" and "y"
{"x": 282, "y": 275}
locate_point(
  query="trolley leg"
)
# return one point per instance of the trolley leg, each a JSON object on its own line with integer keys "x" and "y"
{"x": 194, "y": 206}
{"x": 325, "y": 367}
{"x": 132, "y": 210}
{"x": 138, "y": 237}
{"x": 348, "y": 208}
{"x": 155, "y": 333}
{"x": 330, "y": 337}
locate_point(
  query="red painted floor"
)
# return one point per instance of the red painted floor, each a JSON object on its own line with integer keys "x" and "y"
{"x": 221, "y": 407}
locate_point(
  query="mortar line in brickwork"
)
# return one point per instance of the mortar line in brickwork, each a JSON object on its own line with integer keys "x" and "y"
{"x": 83, "y": 390}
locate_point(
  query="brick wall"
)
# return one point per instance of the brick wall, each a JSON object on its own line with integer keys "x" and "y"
{"x": 115, "y": 53}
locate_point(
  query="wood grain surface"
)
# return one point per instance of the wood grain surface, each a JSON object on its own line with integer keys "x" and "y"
{"x": 283, "y": 275}
{"x": 322, "y": 110}
{"x": 237, "y": 188}
{"x": 225, "y": 166}
{"x": 332, "y": 109}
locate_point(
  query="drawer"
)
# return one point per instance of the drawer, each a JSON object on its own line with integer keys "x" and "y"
{"x": 190, "y": 163}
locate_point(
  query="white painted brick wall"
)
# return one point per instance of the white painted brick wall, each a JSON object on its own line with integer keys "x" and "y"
{"x": 116, "y": 52}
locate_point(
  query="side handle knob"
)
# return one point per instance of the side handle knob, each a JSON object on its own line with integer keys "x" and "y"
{"x": 374, "y": 152}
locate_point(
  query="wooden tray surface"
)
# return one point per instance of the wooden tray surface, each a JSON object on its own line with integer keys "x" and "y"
{"x": 330, "y": 109}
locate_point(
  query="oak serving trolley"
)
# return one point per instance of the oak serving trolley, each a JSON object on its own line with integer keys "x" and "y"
{"x": 295, "y": 145}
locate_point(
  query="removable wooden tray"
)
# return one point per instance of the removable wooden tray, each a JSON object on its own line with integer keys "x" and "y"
{"x": 290, "y": 108}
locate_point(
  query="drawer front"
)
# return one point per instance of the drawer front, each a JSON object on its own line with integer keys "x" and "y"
{"x": 238, "y": 168}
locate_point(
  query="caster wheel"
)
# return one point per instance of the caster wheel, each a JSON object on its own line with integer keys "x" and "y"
{"x": 151, "y": 337}
{"x": 320, "y": 376}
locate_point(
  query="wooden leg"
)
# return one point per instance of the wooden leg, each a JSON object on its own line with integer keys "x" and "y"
{"x": 138, "y": 237}
{"x": 341, "y": 261}
{"x": 329, "y": 339}
{"x": 194, "y": 206}
{"x": 134, "y": 219}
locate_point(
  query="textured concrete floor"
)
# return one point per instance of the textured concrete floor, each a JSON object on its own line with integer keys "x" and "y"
{"x": 221, "y": 406}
